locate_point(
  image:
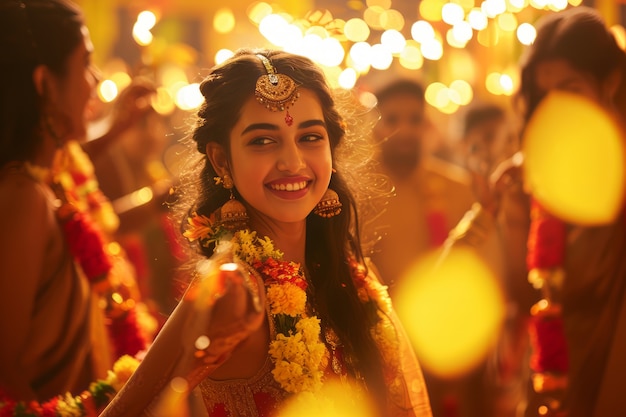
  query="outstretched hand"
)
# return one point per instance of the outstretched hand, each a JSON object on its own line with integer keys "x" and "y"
{"x": 132, "y": 104}
{"x": 228, "y": 304}
{"x": 223, "y": 306}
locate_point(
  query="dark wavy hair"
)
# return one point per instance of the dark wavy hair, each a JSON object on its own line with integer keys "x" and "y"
{"x": 579, "y": 36}
{"x": 32, "y": 33}
{"x": 330, "y": 243}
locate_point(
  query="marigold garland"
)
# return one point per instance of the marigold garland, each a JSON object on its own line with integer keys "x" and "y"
{"x": 87, "y": 404}
{"x": 86, "y": 243}
{"x": 546, "y": 251}
{"x": 74, "y": 185}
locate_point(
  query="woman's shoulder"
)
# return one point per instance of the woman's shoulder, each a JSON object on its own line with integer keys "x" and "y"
{"x": 20, "y": 194}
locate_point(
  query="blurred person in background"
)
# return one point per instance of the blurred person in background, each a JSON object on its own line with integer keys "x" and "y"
{"x": 56, "y": 297}
{"x": 431, "y": 196}
{"x": 132, "y": 174}
{"x": 579, "y": 328}
{"x": 489, "y": 140}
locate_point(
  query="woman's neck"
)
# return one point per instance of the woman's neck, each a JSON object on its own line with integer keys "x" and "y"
{"x": 45, "y": 155}
{"x": 289, "y": 238}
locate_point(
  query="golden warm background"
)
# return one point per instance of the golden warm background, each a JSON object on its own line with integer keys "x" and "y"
{"x": 460, "y": 49}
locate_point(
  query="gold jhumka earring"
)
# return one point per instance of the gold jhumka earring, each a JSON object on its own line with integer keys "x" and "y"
{"x": 232, "y": 215}
{"x": 329, "y": 205}
{"x": 276, "y": 91}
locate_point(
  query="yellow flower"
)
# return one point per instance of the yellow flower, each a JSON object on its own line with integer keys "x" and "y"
{"x": 309, "y": 327}
{"x": 68, "y": 407}
{"x": 297, "y": 358}
{"x": 123, "y": 369}
{"x": 267, "y": 249}
{"x": 286, "y": 299}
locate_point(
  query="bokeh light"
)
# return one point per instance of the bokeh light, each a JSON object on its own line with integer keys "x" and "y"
{"x": 173, "y": 400}
{"x": 360, "y": 55}
{"x": 507, "y": 22}
{"x": 272, "y": 27}
{"x": 493, "y": 8}
{"x": 224, "y": 20}
{"x": 452, "y": 310}
{"x": 411, "y": 57}
{"x": 222, "y": 55}
{"x": 574, "y": 159}
{"x": 146, "y": 19}
{"x": 526, "y": 33}
{"x": 162, "y": 102}
{"x": 392, "y": 19}
{"x": 335, "y": 399}
{"x": 477, "y": 19}
{"x": 393, "y": 40}
{"x": 452, "y": 13}
{"x": 432, "y": 49}
{"x": 107, "y": 91}
{"x": 356, "y": 30}
{"x": 333, "y": 52}
{"x": 430, "y": 10}
{"x": 141, "y": 29}
{"x": 464, "y": 90}
{"x": 372, "y": 17}
{"x": 422, "y": 31}
{"x": 381, "y": 57}
{"x": 257, "y": 11}
{"x": 517, "y": 5}
{"x": 347, "y": 78}
{"x": 189, "y": 97}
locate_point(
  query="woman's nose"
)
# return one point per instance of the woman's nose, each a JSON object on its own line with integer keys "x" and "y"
{"x": 291, "y": 159}
{"x": 96, "y": 73}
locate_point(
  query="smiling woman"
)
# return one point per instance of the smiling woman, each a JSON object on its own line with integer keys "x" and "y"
{"x": 271, "y": 161}
{"x": 302, "y": 307}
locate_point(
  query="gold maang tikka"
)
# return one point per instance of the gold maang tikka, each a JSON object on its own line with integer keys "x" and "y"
{"x": 276, "y": 91}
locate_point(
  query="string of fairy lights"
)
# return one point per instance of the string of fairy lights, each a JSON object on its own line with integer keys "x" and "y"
{"x": 378, "y": 37}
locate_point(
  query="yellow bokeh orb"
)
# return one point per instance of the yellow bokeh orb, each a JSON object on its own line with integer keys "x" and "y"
{"x": 335, "y": 399}
{"x": 574, "y": 159}
{"x": 452, "y": 308}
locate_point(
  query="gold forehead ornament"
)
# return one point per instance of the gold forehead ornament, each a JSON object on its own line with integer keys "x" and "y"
{"x": 276, "y": 91}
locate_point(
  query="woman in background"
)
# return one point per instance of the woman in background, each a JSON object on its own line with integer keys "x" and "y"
{"x": 577, "y": 371}
{"x": 53, "y": 337}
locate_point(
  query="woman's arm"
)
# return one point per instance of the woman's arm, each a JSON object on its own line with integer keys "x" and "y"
{"x": 25, "y": 223}
{"x": 216, "y": 314}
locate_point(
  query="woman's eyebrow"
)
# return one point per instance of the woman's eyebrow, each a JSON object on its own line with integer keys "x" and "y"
{"x": 313, "y": 122}
{"x": 260, "y": 126}
{"x": 269, "y": 126}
